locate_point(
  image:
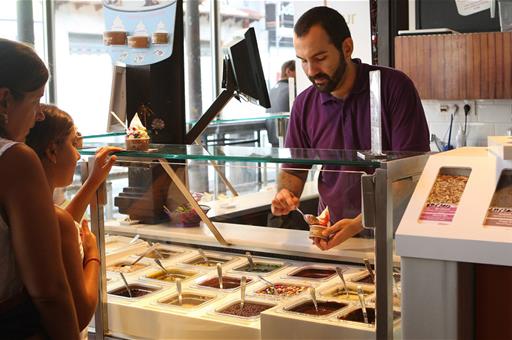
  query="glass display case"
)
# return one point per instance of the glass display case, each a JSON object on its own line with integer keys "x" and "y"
{"x": 221, "y": 246}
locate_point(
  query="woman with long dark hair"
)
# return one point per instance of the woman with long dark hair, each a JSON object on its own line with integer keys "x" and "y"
{"x": 35, "y": 297}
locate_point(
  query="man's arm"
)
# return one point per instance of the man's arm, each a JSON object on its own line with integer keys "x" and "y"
{"x": 290, "y": 184}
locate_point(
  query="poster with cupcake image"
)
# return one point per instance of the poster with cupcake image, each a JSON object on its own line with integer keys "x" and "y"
{"x": 139, "y": 32}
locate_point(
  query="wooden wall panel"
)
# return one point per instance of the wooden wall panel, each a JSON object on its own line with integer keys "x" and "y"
{"x": 507, "y": 63}
{"x": 458, "y": 66}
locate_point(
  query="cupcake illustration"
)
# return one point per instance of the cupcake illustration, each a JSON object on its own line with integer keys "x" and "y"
{"x": 160, "y": 36}
{"x": 116, "y": 35}
{"x": 140, "y": 38}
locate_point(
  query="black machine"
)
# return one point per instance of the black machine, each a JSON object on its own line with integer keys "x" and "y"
{"x": 162, "y": 86}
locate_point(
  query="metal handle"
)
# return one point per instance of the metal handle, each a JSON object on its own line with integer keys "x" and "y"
{"x": 126, "y": 284}
{"x": 157, "y": 261}
{"x": 203, "y": 255}
{"x": 219, "y": 274}
{"x": 249, "y": 258}
{"x": 178, "y": 288}
{"x": 340, "y": 274}
{"x": 369, "y": 268}
{"x": 312, "y": 292}
{"x": 360, "y": 294}
{"x": 243, "y": 283}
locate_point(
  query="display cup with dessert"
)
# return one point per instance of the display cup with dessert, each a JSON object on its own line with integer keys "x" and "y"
{"x": 321, "y": 223}
{"x": 137, "y": 138}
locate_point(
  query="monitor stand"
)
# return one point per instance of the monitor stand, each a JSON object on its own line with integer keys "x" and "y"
{"x": 229, "y": 85}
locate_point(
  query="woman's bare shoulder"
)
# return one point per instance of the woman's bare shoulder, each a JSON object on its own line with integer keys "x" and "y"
{"x": 21, "y": 168}
{"x": 19, "y": 157}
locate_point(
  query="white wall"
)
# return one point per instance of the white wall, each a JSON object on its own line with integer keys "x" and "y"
{"x": 486, "y": 118}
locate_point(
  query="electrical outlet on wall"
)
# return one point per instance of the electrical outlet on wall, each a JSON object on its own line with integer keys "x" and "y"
{"x": 456, "y": 107}
{"x": 472, "y": 107}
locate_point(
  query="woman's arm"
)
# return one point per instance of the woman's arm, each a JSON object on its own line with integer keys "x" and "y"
{"x": 102, "y": 166}
{"x": 82, "y": 280}
{"x": 27, "y": 202}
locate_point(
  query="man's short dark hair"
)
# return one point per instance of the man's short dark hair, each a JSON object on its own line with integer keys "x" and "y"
{"x": 287, "y": 65}
{"x": 329, "y": 19}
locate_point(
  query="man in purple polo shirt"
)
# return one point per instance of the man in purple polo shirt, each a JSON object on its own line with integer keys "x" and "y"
{"x": 334, "y": 113}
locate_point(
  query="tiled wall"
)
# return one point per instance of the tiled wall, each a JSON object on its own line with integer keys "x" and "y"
{"x": 486, "y": 118}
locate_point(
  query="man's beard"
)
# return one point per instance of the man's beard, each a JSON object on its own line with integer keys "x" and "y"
{"x": 333, "y": 82}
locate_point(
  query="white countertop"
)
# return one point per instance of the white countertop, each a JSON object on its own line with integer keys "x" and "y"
{"x": 258, "y": 239}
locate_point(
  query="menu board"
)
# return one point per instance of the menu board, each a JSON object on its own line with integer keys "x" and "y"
{"x": 499, "y": 213}
{"x": 139, "y": 32}
{"x": 441, "y": 204}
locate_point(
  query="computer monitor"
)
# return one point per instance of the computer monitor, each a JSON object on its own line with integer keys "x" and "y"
{"x": 242, "y": 77}
{"x": 244, "y": 57}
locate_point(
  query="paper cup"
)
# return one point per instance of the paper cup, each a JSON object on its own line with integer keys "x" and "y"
{"x": 315, "y": 230}
{"x": 137, "y": 144}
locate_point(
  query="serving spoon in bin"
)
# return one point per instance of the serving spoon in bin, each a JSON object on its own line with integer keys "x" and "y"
{"x": 270, "y": 283}
{"x": 361, "y": 301}
{"x": 203, "y": 255}
{"x": 157, "y": 245}
{"x": 249, "y": 259}
{"x": 219, "y": 274}
{"x": 312, "y": 292}
{"x": 243, "y": 283}
{"x": 179, "y": 289}
{"x": 127, "y": 286}
{"x": 157, "y": 261}
{"x": 369, "y": 269}
{"x": 340, "y": 274}
{"x": 149, "y": 250}
{"x": 134, "y": 239}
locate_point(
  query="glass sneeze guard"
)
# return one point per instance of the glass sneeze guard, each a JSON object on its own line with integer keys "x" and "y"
{"x": 245, "y": 154}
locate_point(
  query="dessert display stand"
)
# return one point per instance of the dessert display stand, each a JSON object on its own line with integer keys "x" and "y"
{"x": 455, "y": 253}
{"x": 386, "y": 188}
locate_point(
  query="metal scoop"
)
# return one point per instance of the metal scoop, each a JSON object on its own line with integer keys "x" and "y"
{"x": 360, "y": 294}
{"x": 313, "y": 297}
{"x": 126, "y": 284}
{"x": 134, "y": 239}
{"x": 369, "y": 268}
{"x": 309, "y": 218}
{"x": 340, "y": 274}
{"x": 243, "y": 283}
{"x": 178, "y": 288}
{"x": 203, "y": 255}
{"x": 219, "y": 274}
{"x": 149, "y": 250}
{"x": 157, "y": 261}
{"x": 270, "y": 283}
{"x": 157, "y": 245}
{"x": 249, "y": 258}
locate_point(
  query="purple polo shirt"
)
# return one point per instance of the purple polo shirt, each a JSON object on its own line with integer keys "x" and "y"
{"x": 320, "y": 121}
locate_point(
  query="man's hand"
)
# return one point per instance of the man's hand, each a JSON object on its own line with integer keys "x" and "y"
{"x": 284, "y": 202}
{"x": 339, "y": 232}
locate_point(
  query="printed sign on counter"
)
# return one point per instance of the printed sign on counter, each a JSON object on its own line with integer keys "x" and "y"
{"x": 139, "y": 32}
{"x": 500, "y": 210}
